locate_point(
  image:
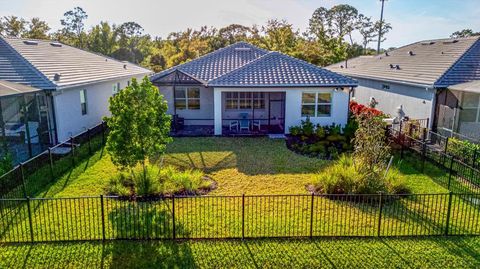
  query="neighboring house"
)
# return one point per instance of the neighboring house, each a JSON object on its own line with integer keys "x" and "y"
{"x": 242, "y": 89}
{"x": 74, "y": 89}
{"x": 420, "y": 81}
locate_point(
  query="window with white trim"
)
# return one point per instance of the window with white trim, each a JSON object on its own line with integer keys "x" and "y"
{"x": 244, "y": 100}
{"x": 115, "y": 88}
{"x": 83, "y": 101}
{"x": 187, "y": 98}
{"x": 316, "y": 104}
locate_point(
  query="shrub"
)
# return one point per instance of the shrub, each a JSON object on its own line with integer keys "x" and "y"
{"x": 158, "y": 181}
{"x": 6, "y": 163}
{"x": 344, "y": 178}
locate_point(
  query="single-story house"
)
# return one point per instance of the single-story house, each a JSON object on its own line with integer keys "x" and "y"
{"x": 423, "y": 80}
{"x": 51, "y": 91}
{"x": 242, "y": 90}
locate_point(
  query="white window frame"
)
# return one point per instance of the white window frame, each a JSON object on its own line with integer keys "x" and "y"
{"x": 316, "y": 104}
{"x": 187, "y": 98}
{"x": 260, "y": 96}
{"x": 83, "y": 102}
{"x": 115, "y": 88}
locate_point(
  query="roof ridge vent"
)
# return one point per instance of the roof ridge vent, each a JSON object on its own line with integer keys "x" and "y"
{"x": 30, "y": 42}
{"x": 243, "y": 49}
{"x": 56, "y": 44}
{"x": 451, "y": 41}
{"x": 428, "y": 43}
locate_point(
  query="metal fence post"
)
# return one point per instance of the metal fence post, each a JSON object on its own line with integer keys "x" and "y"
{"x": 173, "y": 217}
{"x": 380, "y": 207}
{"x": 30, "y": 222}
{"x": 51, "y": 163}
{"x": 450, "y": 172}
{"x": 103, "y": 217}
{"x": 72, "y": 149}
{"x": 243, "y": 216}
{"x": 445, "y": 150}
{"x": 448, "y": 212}
{"x": 311, "y": 215}
{"x": 103, "y": 133}
{"x": 424, "y": 153}
{"x": 89, "y": 144}
{"x": 22, "y": 176}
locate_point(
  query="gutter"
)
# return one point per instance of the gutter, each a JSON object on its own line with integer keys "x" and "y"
{"x": 98, "y": 81}
{"x": 427, "y": 86}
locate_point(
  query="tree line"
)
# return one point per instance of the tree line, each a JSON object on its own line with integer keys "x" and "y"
{"x": 328, "y": 38}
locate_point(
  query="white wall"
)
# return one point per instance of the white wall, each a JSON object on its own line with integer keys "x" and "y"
{"x": 68, "y": 113}
{"x": 416, "y": 102}
{"x": 206, "y": 106}
{"x": 293, "y": 105}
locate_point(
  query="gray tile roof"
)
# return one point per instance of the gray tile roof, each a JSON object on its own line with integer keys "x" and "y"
{"x": 9, "y": 88}
{"x": 217, "y": 63}
{"x": 36, "y": 63}
{"x": 276, "y": 70}
{"x": 244, "y": 65}
{"x": 426, "y": 64}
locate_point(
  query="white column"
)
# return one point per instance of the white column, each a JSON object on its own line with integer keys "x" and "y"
{"x": 217, "y": 111}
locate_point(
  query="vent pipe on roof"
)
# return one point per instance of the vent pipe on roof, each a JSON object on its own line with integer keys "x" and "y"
{"x": 124, "y": 66}
{"x": 411, "y": 53}
{"x": 56, "y": 44}
{"x": 386, "y": 53}
{"x": 56, "y": 77}
{"x": 30, "y": 42}
{"x": 397, "y": 67}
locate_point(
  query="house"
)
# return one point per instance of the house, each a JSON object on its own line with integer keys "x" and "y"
{"x": 243, "y": 90}
{"x": 423, "y": 80}
{"x": 50, "y": 91}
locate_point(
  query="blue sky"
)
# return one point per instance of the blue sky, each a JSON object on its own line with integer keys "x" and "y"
{"x": 412, "y": 20}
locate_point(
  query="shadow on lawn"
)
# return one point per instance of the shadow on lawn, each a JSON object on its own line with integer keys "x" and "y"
{"x": 333, "y": 253}
{"x": 251, "y": 156}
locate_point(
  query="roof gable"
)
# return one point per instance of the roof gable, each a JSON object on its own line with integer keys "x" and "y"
{"x": 217, "y": 63}
{"x": 14, "y": 68}
{"x": 276, "y": 69}
{"x": 422, "y": 62}
{"x": 75, "y": 66}
{"x": 466, "y": 69}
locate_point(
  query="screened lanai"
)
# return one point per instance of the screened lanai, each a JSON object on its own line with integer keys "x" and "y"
{"x": 26, "y": 122}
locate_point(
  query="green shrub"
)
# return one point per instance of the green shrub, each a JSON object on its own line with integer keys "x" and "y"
{"x": 166, "y": 180}
{"x": 6, "y": 163}
{"x": 344, "y": 178}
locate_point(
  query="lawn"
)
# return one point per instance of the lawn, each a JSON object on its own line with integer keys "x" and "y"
{"x": 239, "y": 166}
{"x": 442, "y": 252}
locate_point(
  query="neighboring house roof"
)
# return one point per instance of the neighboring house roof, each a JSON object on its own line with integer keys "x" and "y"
{"x": 10, "y": 88}
{"x": 37, "y": 63}
{"x": 432, "y": 63}
{"x": 244, "y": 65}
{"x": 472, "y": 86}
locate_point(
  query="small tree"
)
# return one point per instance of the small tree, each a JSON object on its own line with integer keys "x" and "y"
{"x": 139, "y": 126}
{"x": 371, "y": 148}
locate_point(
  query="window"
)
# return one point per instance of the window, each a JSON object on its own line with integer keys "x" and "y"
{"x": 187, "y": 98}
{"x": 83, "y": 101}
{"x": 316, "y": 104}
{"x": 128, "y": 83}
{"x": 245, "y": 100}
{"x": 116, "y": 88}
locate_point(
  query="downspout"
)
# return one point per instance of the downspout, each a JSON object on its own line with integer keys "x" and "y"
{"x": 2, "y": 127}
{"x": 433, "y": 109}
{"x": 55, "y": 141}
{"x": 27, "y": 127}
{"x": 174, "y": 93}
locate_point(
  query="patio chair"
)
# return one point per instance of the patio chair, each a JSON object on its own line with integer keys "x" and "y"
{"x": 256, "y": 123}
{"x": 234, "y": 125}
{"x": 244, "y": 122}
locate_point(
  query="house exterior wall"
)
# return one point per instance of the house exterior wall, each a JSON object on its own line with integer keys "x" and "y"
{"x": 68, "y": 111}
{"x": 202, "y": 116}
{"x": 416, "y": 102}
{"x": 293, "y": 105}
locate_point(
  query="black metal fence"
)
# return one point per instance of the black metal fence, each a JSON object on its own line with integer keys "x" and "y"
{"x": 27, "y": 178}
{"x": 101, "y": 218}
{"x": 448, "y": 170}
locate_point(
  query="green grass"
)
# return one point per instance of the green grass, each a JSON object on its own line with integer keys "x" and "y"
{"x": 238, "y": 165}
{"x": 458, "y": 252}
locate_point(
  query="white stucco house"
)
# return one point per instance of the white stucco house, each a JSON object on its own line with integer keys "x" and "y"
{"x": 423, "y": 80}
{"x": 73, "y": 87}
{"x": 244, "y": 90}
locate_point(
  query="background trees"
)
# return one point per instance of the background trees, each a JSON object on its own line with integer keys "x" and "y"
{"x": 328, "y": 39}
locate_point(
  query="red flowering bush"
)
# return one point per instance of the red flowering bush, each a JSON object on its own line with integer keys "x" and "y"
{"x": 359, "y": 109}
